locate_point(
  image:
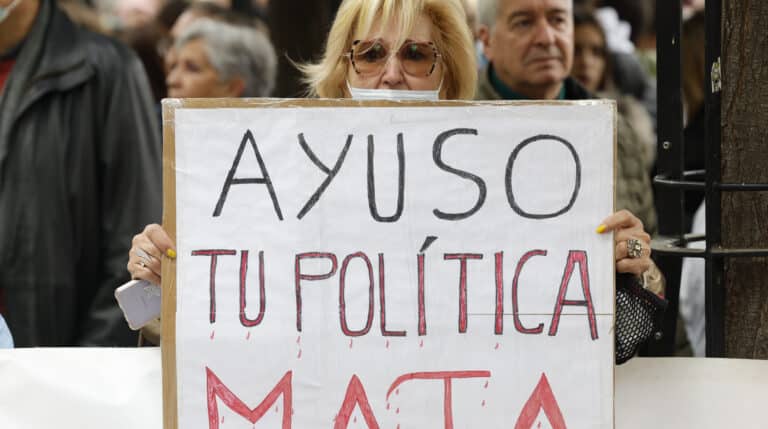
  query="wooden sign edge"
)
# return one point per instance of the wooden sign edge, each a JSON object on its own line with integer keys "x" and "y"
{"x": 615, "y": 125}
{"x": 168, "y": 310}
{"x": 218, "y": 103}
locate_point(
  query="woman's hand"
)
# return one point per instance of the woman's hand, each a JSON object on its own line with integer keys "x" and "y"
{"x": 145, "y": 256}
{"x": 633, "y": 244}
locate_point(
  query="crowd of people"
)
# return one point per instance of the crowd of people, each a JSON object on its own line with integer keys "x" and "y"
{"x": 81, "y": 83}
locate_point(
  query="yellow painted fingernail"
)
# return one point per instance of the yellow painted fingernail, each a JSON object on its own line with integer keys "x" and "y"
{"x": 171, "y": 253}
{"x": 601, "y": 229}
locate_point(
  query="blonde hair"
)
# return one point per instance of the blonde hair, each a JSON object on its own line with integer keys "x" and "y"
{"x": 354, "y": 20}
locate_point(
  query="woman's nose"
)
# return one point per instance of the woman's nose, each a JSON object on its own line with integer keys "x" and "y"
{"x": 172, "y": 79}
{"x": 393, "y": 72}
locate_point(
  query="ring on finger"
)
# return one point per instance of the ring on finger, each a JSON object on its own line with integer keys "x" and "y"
{"x": 634, "y": 248}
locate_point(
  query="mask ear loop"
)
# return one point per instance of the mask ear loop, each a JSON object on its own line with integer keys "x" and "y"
{"x": 438, "y": 61}
{"x": 349, "y": 88}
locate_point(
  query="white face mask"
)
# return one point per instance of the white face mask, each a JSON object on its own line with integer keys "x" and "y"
{"x": 6, "y": 10}
{"x": 394, "y": 94}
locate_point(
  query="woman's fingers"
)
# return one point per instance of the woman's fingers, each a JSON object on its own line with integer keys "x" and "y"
{"x": 622, "y": 249}
{"x": 144, "y": 273}
{"x": 140, "y": 269}
{"x": 622, "y": 219}
{"x": 634, "y": 266}
{"x": 624, "y": 234}
{"x": 629, "y": 237}
{"x": 621, "y": 238}
{"x": 142, "y": 241}
{"x": 144, "y": 259}
{"x": 160, "y": 239}
{"x": 146, "y": 254}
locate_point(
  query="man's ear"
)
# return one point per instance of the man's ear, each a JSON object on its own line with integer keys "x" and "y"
{"x": 484, "y": 35}
{"x": 235, "y": 87}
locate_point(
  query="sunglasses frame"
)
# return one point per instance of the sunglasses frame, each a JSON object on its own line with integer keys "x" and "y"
{"x": 350, "y": 55}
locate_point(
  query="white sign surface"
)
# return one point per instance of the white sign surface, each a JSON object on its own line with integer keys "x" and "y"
{"x": 395, "y": 267}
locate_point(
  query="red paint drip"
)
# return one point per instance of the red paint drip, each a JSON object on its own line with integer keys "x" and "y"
{"x": 486, "y": 384}
{"x": 350, "y": 343}
{"x": 277, "y": 408}
{"x": 539, "y": 425}
{"x": 354, "y": 419}
{"x": 248, "y": 335}
{"x": 298, "y": 339}
{"x": 497, "y": 346}
{"x": 397, "y": 391}
{"x": 388, "y": 405}
{"x": 483, "y": 404}
{"x": 222, "y": 419}
{"x": 421, "y": 343}
{"x": 213, "y": 333}
{"x": 397, "y": 411}
{"x": 299, "y": 355}
{"x": 387, "y": 343}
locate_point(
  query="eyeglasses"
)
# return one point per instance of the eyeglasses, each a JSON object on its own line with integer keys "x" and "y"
{"x": 369, "y": 57}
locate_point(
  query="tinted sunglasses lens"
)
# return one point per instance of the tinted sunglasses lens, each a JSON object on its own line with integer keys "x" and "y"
{"x": 418, "y": 59}
{"x": 369, "y": 57}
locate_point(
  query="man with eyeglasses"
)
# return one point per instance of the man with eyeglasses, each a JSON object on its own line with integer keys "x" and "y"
{"x": 79, "y": 164}
{"x": 529, "y": 45}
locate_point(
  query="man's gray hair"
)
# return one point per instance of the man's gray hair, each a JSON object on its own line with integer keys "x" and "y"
{"x": 236, "y": 51}
{"x": 486, "y": 12}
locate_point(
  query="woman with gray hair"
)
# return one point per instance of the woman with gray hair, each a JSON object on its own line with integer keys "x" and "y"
{"x": 217, "y": 59}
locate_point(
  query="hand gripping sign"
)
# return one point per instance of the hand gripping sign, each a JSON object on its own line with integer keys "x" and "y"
{"x": 344, "y": 264}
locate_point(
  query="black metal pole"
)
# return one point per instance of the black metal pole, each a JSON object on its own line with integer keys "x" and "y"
{"x": 715, "y": 290}
{"x": 670, "y": 161}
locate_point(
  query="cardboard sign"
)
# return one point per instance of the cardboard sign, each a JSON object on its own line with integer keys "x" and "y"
{"x": 390, "y": 265}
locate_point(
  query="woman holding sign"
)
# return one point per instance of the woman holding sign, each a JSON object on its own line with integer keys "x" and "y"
{"x": 405, "y": 50}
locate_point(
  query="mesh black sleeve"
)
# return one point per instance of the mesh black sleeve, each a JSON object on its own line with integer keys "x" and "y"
{"x": 639, "y": 315}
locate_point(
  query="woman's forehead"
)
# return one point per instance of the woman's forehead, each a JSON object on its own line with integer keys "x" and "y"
{"x": 589, "y": 32}
{"x": 390, "y": 31}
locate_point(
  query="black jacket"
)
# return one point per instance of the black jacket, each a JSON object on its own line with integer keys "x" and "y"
{"x": 80, "y": 174}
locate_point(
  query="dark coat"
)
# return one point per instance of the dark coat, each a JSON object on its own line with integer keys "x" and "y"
{"x": 80, "y": 174}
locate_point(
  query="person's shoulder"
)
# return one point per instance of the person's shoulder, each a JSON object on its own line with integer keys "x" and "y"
{"x": 484, "y": 89}
{"x": 105, "y": 53}
{"x": 574, "y": 91}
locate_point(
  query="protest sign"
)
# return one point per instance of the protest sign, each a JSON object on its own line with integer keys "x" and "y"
{"x": 388, "y": 265}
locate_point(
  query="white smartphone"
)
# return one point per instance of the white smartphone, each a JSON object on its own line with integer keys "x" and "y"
{"x": 140, "y": 302}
